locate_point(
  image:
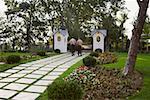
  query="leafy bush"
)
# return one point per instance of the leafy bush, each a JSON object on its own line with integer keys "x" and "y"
{"x": 95, "y": 54}
{"x": 65, "y": 90}
{"x": 57, "y": 50}
{"x": 2, "y": 59}
{"x": 13, "y": 59}
{"x": 107, "y": 57}
{"x": 41, "y": 53}
{"x": 89, "y": 61}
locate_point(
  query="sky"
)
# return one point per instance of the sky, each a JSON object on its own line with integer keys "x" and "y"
{"x": 133, "y": 8}
{"x": 131, "y": 5}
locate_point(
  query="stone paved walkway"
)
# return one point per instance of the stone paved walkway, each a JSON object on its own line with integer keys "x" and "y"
{"x": 28, "y": 81}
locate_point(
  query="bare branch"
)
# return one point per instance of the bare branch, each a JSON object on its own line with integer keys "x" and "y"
{"x": 139, "y": 2}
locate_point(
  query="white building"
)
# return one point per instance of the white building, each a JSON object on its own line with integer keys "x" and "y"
{"x": 98, "y": 39}
{"x": 60, "y": 40}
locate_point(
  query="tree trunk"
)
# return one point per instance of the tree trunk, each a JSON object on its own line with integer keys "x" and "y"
{"x": 147, "y": 42}
{"x": 122, "y": 48}
{"x": 116, "y": 47}
{"x": 136, "y": 34}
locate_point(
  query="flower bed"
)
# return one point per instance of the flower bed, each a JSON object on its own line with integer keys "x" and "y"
{"x": 100, "y": 83}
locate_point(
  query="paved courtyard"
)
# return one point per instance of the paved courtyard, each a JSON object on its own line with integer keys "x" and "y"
{"x": 28, "y": 81}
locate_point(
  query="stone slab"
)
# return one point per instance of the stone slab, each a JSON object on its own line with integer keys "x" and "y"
{"x": 3, "y": 84}
{"x": 33, "y": 76}
{"x": 4, "y": 74}
{"x": 46, "y": 69}
{"x": 49, "y": 77}
{"x": 9, "y": 79}
{"x": 37, "y": 65}
{"x": 16, "y": 86}
{"x": 17, "y": 75}
{"x": 55, "y": 73}
{"x": 32, "y": 68}
{"x": 12, "y": 71}
{"x": 60, "y": 69}
{"x": 25, "y": 65}
{"x": 40, "y": 72}
{"x": 19, "y": 67}
{"x": 26, "y": 96}
{"x": 1, "y": 63}
{"x": 7, "y": 93}
{"x": 64, "y": 66}
{"x": 25, "y": 81}
{"x": 43, "y": 82}
{"x": 37, "y": 89}
{"x": 51, "y": 65}
{"x": 25, "y": 71}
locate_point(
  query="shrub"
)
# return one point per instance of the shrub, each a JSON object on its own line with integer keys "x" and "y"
{"x": 13, "y": 59}
{"x": 95, "y": 54}
{"x": 65, "y": 90}
{"x": 41, "y": 53}
{"x": 2, "y": 59}
{"x": 57, "y": 50}
{"x": 98, "y": 50}
{"x": 89, "y": 61}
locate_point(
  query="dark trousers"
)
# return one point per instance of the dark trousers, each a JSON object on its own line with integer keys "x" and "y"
{"x": 79, "y": 49}
{"x": 72, "y": 49}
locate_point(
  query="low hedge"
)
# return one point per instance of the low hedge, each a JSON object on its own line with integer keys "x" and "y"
{"x": 13, "y": 59}
{"x": 89, "y": 61}
{"x": 65, "y": 90}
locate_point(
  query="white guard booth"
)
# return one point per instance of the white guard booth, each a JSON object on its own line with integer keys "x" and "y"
{"x": 60, "y": 40}
{"x": 98, "y": 39}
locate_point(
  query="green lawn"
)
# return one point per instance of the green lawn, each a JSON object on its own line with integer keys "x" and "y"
{"x": 143, "y": 65}
{"x": 4, "y": 67}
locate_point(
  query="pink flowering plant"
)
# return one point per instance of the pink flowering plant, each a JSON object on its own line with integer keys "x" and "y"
{"x": 81, "y": 75}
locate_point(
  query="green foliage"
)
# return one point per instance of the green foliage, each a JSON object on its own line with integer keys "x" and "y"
{"x": 94, "y": 54}
{"x": 65, "y": 90}
{"x": 89, "y": 61}
{"x": 13, "y": 59}
{"x": 57, "y": 51}
{"x": 2, "y": 59}
{"x": 41, "y": 53}
{"x": 26, "y": 11}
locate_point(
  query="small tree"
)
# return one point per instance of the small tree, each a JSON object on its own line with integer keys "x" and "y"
{"x": 136, "y": 35}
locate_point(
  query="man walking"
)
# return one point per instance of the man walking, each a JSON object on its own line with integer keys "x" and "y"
{"x": 72, "y": 44}
{"x": 79, "y": 46}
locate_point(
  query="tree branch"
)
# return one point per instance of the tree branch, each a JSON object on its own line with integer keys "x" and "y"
{"x": 139, "y": 2}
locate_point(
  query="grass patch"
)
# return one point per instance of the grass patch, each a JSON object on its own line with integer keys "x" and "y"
{"x": 44, "y": 96}
{"x": 4, "y": 67}
{"x": 143, "y": 65}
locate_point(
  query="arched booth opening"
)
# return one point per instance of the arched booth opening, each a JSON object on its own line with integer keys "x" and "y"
{"x": 98, "y": 40}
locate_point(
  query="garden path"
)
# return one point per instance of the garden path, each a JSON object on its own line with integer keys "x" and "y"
{"x": 28, "y": 81}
